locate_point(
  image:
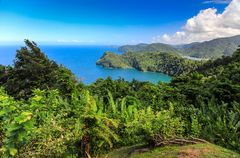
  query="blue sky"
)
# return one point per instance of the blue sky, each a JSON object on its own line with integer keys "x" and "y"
{"x": 96, "y": 21}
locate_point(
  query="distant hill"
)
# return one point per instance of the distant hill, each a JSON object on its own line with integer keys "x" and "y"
{"x": 154, "y": 47}
{"x": 209, "y": 49}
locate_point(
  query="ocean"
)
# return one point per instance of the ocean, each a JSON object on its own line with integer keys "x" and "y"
{"x": 81, "y": 60}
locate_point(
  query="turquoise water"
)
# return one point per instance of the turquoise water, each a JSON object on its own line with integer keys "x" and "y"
{"x": 81, "y": 61}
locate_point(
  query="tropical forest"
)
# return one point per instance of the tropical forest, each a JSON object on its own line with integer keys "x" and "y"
{"x": 46, "y": 112}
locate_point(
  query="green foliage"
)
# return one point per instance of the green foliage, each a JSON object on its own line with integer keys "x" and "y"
{"x": 32, "y": 69}
{"x": 221, "y": 125}
{"x": 14, "y": 125}
{"x": 52, "y": 126}
{"x": 214, "y": 91}
{"x": 150, "y": 125}
{"x": 97, "y": 128}
{"x": 118, "y": 88}
{"x": 195, "y": 127}
{"x": 47, "y": 125}
{"x": 4, "y": 73}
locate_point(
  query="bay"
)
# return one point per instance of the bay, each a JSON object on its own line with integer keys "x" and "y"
{"x": 81, "y": 60}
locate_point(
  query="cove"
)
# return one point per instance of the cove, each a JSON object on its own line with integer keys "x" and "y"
{"x": 81, "y": 60}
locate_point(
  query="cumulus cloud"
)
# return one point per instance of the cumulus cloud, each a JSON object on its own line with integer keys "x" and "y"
{"x": 207, "y": 25}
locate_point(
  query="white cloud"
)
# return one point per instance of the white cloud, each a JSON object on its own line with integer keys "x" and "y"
{"x": 207, "y": 25}
{"x": 166, "y": 37}
{"x": 217, "y": 1}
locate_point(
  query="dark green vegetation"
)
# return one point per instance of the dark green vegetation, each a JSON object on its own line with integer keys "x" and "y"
{"x": 210, "y": 49}
{"x": 167, "y": 63}
{"x": 47, "y": 113}
{"x": 32, "y": 69}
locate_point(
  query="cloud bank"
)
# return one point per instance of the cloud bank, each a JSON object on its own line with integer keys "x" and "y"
{"x": 207, "y": 25}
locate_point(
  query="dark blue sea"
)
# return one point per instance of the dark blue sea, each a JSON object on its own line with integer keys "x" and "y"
{"x": 81, "y": 60}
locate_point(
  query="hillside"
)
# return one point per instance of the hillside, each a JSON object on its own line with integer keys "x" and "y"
{"x": 209, "y": 49}
{"x": 212, "y": 49}
{"x": 167, "y": 63}
{"x": 189, "y": 151}
{"x": 155, "y": 47}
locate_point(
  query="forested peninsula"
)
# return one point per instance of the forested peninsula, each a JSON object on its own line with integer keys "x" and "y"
{"x": 167, "y": 63}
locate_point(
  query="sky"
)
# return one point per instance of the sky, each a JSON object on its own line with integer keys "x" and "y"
{"x": 117, "y": 22}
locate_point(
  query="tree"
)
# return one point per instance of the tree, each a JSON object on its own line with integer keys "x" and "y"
{"x": 32, "y": 69}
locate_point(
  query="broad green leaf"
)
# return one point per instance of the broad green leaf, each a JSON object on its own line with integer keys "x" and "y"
{"x": 13, "y": 151}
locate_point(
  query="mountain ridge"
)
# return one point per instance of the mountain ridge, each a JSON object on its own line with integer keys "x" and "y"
{"x": 154, "y": 47}
{"x": 211, "y": 49}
